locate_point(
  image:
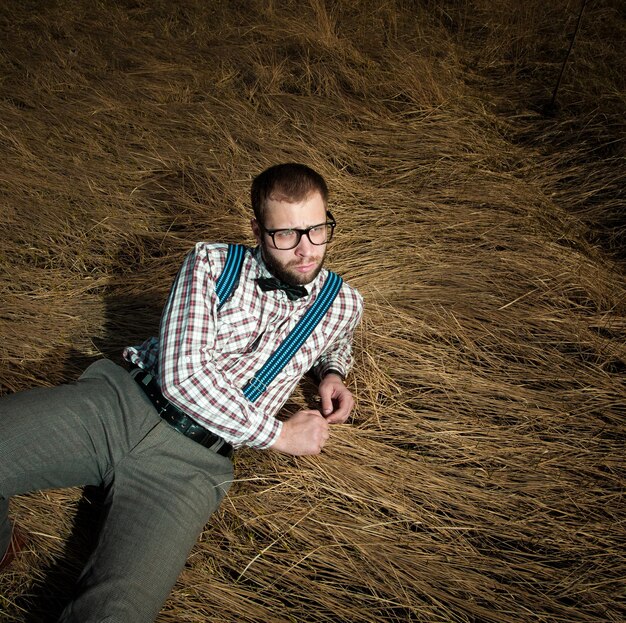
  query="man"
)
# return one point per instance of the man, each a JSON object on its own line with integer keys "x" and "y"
{"x": 160, "y": 435}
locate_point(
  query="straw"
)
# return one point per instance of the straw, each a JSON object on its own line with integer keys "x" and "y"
{"x": 480, "y": 477}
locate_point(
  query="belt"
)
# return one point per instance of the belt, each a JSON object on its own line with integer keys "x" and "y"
{"x": 176, "y": 418}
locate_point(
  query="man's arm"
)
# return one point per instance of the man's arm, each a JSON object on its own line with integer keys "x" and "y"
{"x": 307, "y": 431}
{"x": 334, "y": 365}
{"x": 189, "y": 376}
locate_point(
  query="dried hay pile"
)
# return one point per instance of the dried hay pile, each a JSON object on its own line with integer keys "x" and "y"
{"x": 481, "y": 478}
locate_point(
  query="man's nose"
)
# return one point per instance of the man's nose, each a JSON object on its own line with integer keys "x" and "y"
{"x": 305, "y": 246}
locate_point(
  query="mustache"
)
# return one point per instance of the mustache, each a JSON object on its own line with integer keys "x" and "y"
{"x": 311, "y": 260}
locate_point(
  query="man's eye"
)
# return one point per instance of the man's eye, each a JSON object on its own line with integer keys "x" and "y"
{"x": 318, "y": 229}
{"x": 285, "y": 233}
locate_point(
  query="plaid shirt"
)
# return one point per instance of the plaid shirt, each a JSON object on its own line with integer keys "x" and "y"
{"x": 204, "y": 357}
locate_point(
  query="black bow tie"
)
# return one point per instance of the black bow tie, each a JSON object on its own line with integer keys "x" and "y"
{"x": 271, "y": 283}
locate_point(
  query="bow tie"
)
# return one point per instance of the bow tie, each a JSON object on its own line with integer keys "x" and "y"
{"x": 271, "y": 283}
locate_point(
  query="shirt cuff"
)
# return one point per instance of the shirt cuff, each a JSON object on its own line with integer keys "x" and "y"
{"x": 264, "y": 436}
{"x": 333, "y": 371}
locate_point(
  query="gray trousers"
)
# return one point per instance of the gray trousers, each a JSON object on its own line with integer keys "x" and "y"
{"x": 161, "y": 487}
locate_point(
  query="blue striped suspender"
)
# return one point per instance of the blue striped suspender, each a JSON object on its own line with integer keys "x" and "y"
{"x": 229, "y": 278}
{"x": 292, "y": 343}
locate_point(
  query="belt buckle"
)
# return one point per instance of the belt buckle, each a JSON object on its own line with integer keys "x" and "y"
{"x": 217, "y": 444}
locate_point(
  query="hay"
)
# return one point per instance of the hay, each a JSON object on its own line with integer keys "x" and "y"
{"x": 481, "y": 476}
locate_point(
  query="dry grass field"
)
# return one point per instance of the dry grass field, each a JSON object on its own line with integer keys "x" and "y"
{"x": 481, "y": 478}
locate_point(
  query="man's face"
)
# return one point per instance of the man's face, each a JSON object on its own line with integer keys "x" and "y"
{"x": 301, "y": 264}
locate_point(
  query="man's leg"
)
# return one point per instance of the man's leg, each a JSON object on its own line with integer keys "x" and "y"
{"x": 162, "y": 487}
{"x": 44, "y": 443}
{"x": 162, "y": 495}
{"x": 69, "y": 435}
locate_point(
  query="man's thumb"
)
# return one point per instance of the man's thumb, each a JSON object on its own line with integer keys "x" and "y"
{"x": 327, "y": 405}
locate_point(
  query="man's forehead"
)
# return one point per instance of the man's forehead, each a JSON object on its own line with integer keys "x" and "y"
{"x": 310, "y": 208}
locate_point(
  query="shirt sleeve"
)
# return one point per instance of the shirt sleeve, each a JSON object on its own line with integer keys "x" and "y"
{"x": 339, "y": 355}
{"x": 189, "y": 374}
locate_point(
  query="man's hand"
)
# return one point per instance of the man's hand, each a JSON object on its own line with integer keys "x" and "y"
{"x": 337, "y": 400}
{"x": 305, "y": 432}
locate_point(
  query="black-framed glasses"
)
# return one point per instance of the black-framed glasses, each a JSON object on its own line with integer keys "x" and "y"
{"x": 285, "y": 239}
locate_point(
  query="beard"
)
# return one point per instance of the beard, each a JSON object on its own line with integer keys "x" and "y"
{"x": 287, "y": 273}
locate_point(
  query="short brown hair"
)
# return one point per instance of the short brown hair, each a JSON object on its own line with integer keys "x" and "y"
{"x": 285, "y": 182}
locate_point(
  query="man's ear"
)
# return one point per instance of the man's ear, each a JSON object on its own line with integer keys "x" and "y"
{"x": 256, "y": 230}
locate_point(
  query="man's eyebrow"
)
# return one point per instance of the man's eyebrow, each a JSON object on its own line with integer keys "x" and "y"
{"x": 296, "y": 228}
